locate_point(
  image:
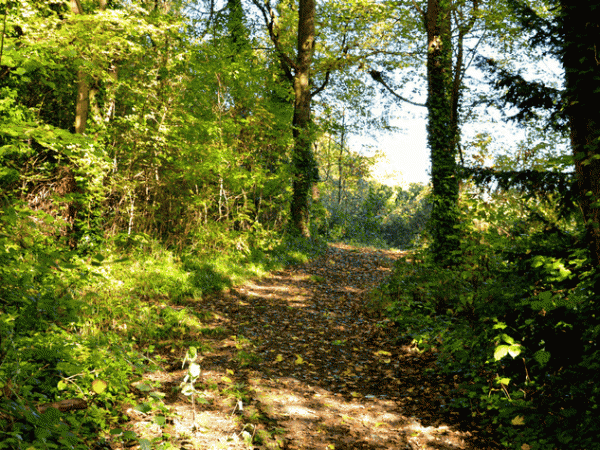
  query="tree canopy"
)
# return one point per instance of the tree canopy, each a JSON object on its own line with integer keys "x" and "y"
{"x": 212, "y": 134}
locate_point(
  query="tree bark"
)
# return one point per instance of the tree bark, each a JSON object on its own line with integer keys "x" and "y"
{"x": 442, "y": 131}
{"x": 581, "y": 62}
{"x": 305, "y": 171}
{"x": 297, "y": 71}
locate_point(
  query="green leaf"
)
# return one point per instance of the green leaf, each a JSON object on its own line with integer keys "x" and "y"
{"x": 514, "y": 350}
{"x": 188, "y": 390}
{"x": 542, "y": 357}
{"x": 99, "y": 386}
{"x": 143, "y": 408}
{"x": 144, "y": 387}
{"x": 129, "y": 435}
{"x": 506, "y": 338}
{"x": 500, "y": 352}
{"x": 194, "y": 370}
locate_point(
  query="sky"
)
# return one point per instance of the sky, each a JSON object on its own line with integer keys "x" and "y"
{"x": 407, "y": 158}
{"x": 406, "y": 153}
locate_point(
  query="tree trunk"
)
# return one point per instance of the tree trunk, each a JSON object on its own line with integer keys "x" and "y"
{"x": 581, "y": 62}
{"x": 442, "y": 131}
{"x": 82, "y": 104}
{"x": 341, "y": 160}
{"x": 304, "y": 165}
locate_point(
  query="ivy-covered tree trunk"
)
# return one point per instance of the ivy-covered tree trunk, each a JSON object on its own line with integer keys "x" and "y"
{"x": 303, "y": 160}
{"x": 581, "y": 61}
{"x": 441, "y": 131}
{"x": 298, "y": 70}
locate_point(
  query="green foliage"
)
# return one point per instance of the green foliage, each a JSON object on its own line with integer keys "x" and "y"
{"x": 76, "y": 327}
{"x": 514, "y": 320}
{"x": 374, "y": 214}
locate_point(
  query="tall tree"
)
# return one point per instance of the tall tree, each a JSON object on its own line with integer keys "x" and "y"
{"x": 298, "y": 72}
{"x": 572, "y": 34}
{"x": 446, "y": 25}
{"x": 441, "y": 131}
{"x": 580, "y": 56}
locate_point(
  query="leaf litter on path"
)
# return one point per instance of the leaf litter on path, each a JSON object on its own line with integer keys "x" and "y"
{"x": 316, "y": 368}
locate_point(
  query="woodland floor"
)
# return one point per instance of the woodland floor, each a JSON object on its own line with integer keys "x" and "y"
{"x": 318, "y": 369}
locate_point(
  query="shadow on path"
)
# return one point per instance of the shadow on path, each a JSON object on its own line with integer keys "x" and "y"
{"x": 323, "y": 369}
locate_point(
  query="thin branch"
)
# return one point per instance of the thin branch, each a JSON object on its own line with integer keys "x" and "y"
{"x": 269, "y": 17}
{"x": 320, "y": 88}
{"x": 379, "y": 78}
{"x": 418, "y": 8}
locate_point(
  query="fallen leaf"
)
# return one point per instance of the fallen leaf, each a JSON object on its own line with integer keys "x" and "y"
{"x": 519, "y": 420}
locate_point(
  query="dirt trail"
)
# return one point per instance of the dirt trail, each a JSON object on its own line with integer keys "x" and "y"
{"x": 318, "y": 369}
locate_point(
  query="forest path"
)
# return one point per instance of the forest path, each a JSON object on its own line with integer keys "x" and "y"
{"x": 314, "y": 367}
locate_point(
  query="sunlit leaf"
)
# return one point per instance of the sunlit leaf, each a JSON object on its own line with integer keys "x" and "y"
{"x": 194, "y": 370}
{"x": 500, "y": 352}
{"x": 514, "y": 350}
{"x": 99, "y": 386}
{"x": 518, "y": 420}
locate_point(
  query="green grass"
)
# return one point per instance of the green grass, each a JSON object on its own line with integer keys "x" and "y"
{"x": 109, "y": 317}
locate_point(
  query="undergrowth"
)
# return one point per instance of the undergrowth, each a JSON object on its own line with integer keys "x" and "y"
{"x": 77, "y": 328}
{"x": 518, "y": 325}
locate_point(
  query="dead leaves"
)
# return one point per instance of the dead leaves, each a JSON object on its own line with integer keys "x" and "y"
{"x": 309, "y": 324}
